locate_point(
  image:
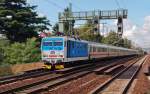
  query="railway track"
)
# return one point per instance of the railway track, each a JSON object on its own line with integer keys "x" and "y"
{"x": 10, "y": 79}
{"x": 120, "y": 83}
{"x": 21, "y": 74}
{"x": 88, "y": 82}
{"x": 34, "y": 83}
{"x": 53, "y": 83}
{"x": 30, "y": 74}
{"x": 15, "y": 83}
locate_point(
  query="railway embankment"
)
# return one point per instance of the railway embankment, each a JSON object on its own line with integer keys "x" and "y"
{"x": 18, "y": 68}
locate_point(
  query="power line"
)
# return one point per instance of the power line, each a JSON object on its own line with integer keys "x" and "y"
{"x": 124, "y": 4}
{"x": 76, "y": 6}
{"x": 54, "y": 4}
{"x": 117, "y": 3}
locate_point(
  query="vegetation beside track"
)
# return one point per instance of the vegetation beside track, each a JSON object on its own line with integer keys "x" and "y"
{"x": 14, "y": 57}
{"x": 18, "y": 68}
{"x": 19, "y": 23}
{"x": 18, "y": 53}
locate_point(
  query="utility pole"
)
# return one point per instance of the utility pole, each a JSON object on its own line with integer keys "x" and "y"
{"x": 70, "y": 21}
{"x": 66, "y": 26}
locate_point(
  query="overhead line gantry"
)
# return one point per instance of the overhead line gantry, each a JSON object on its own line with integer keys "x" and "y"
{"x": 89, "y": 15}
{"x": 95, "y": 15}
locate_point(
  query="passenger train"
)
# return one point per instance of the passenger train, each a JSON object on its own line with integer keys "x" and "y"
{"x": 56, "y": 51}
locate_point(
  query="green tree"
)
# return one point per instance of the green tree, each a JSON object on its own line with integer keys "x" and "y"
{"x": 86, "y": 32}
{"x": 3, "y": 44}
{"x": 19, "y": 20}
{"x": 127, "y": 43}
{"x": 55, "y": 29}
{"x": 18, "y": 53}
{"x": 111, "y": 38}
{"x": 67, "y": 13}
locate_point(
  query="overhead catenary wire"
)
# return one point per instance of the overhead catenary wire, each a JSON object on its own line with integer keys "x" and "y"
{"x": 57, "y": 6}
{"x": 54, "y": 4}
{"x": 117, "y": 3}
{"x": 124, "y": 4}
{"x": 76, "y": 6}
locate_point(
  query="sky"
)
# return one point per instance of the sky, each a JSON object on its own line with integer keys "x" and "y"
{"x": 136, "y": 26}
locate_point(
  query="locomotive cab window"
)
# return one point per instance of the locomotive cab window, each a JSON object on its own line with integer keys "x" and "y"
{"x": 47, "y": 43}
{"x": 57, "y": 43}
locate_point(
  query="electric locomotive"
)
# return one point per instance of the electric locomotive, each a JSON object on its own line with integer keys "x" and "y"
{"x": 58, "y": 50}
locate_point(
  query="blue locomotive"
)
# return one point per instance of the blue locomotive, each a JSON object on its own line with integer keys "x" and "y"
{"x": 56, "y": 51}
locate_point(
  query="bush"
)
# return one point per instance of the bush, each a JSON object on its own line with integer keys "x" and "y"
{"x": 3, "y": 44}
{"x": 18, "y": 53}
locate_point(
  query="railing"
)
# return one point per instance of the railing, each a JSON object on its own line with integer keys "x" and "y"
{"x": 85, "y": 15}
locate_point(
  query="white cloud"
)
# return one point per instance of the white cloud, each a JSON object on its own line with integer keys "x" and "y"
{"x": 140, "y": 35}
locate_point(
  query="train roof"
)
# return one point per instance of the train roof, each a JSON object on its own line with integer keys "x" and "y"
{"x": 67, "y": 38}
{"x": 92, "y": 43}
{"x": 111, "y": 46}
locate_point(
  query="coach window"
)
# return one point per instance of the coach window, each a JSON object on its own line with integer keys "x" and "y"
{"x": 111, "y": 50}
{"x": 103, "y": 49}
{"x": 90, "y": 48}
{"x": 98, "y": 49}
{"x": 93, "y": 49}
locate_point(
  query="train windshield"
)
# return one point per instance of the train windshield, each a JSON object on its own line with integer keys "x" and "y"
{"x": 57, "y": 43}
{"x": 47, "y": 43}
